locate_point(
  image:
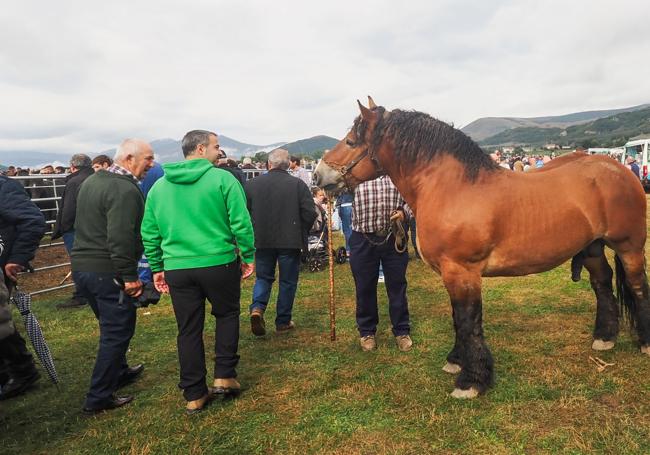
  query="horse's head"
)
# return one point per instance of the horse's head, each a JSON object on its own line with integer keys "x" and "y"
{"x": 354, "y": 159}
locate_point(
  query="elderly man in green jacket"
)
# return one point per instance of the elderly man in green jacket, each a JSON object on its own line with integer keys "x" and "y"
{"x": 198, "y": 237}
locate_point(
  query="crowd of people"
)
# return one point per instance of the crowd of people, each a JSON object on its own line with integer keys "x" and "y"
{"x": 527, "y": 163}
{"x": 194, "y": 230}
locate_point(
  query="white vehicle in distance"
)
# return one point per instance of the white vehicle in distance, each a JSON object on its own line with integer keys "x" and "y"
{"x": 639, "y": 149}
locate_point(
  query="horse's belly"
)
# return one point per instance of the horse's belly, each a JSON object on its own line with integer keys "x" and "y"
{"x": 524, "y": 263}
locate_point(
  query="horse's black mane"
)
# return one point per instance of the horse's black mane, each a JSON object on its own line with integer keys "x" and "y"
{"x": 420, "y": 138}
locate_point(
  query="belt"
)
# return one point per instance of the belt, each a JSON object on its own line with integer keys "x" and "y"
{"x": 381, "y": 232}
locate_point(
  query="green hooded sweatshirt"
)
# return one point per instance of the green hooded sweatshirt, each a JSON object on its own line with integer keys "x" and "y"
{"x": 196, "y": 216}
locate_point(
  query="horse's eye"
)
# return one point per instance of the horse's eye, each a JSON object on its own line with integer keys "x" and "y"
{"x": 349, "y": 142}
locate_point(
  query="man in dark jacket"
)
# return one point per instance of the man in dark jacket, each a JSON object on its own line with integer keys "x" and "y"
{"x": 21, "y": 227}
{"x": 230, "y": 165}
{"x": 80, "y": 170}
{"x": 283, "y": 211}
{"x": 106, "y": 251}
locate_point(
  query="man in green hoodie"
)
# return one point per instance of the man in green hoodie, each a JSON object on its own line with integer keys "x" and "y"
{"x": 198, "y": 237}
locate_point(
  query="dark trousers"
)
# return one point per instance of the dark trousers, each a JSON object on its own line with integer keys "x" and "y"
{"x": 189, "y": 288}
{"x": 68, "y": 241}
{"x": 116, "y": 328}
{"x": 288, "y": 261}
{"x": 365, "y": 259}
{"x": 15, "y": 360}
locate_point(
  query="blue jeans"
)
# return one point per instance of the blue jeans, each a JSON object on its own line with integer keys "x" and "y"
{"x": 345, "y": 213}
{"x": 68, "y": 240}
{"x": 288, "y": 261}
{"x": 116, "y": 327}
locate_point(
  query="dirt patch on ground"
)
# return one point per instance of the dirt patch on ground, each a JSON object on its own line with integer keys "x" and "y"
{"x": 48, "y": 256}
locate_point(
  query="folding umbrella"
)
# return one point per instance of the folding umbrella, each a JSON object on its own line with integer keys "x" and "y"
{"x": 24, "y": 302}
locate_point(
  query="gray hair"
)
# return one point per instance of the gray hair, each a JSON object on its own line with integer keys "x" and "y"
{"x": 128, "y": 147}
{"x": 279, "y": 159}
{"x": 79, "y": 160}
{"x": 193, "y": 139}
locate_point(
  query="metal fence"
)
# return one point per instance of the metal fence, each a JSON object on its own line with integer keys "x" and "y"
{"x": 46, "y": 191}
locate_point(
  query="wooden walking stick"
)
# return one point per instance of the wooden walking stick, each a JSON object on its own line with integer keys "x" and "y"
{"x": 330, "y": 253}
{"x": 66, "y": 277}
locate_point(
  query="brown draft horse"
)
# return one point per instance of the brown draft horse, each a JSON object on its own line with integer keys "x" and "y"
{"x": 468, "y": 229}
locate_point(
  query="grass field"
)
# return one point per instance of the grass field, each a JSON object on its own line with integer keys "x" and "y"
{"x": 306, "y": 394}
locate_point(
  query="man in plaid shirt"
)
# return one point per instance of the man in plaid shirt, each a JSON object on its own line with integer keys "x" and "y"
{"x": 372, "y": 243}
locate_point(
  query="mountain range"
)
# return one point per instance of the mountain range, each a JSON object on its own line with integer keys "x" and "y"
{"x": 168, "y": 150}
{"x": 590, "y": 128}
{"x": 487, "y": 127}
{"x": 610, "y": 131}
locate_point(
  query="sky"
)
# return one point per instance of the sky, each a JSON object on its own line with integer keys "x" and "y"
{"x": 79, "y": 76}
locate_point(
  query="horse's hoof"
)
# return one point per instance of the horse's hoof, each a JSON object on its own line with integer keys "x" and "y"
{"x": 465, "y": 394}
{"x": 645, "y": 350}
{"x": 600, "y": 345}
{"x": 451, "y": 368}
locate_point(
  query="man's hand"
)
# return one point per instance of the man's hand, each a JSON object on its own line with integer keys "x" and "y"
{"x": 247, "y": 269}
{"x": 159, "y": 282}
{"x": 397, "y": 215}
{"x": 133, "y": 288}
{"x": 12, "y": 270}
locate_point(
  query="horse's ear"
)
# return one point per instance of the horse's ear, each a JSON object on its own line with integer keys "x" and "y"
{"x": 371, "y": 103}
{"x": 365, "y": 112}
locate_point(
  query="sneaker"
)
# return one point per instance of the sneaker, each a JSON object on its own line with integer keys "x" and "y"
{"x": 368, "y": 343}
{"x": 258, "y": 327}
{"x": 196, "y": 406}
{"x": 404, "y": 342}
{"x": 225, "y": 388}
{"x": 285, "y": 327}
{"x": 73, "y": 302}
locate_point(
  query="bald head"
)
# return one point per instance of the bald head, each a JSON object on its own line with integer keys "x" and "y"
{"x": 136, "y": 156}
{"x": 279, "y": 159}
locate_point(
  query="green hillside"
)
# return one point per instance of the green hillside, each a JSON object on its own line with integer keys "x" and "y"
{"x": 605, "y": 132}
{"x": 314, "y": 146}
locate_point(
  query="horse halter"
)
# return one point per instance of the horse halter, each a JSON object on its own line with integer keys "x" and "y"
{"x": 345, "y": 169}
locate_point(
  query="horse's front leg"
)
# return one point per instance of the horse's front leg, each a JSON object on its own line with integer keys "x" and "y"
{"x": 477, "y": 373}
{"x": 454, "y": 358}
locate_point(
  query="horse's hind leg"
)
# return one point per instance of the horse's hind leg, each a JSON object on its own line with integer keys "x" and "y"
{"x": 637, "y": 283}
{"x": 464, "y": 287}
{"x": 600, "y": 276}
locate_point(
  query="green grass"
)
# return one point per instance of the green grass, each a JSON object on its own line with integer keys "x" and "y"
{"x": 306, "y": 394}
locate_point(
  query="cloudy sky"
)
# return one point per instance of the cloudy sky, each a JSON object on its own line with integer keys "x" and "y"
{"x": 78, "y": 76}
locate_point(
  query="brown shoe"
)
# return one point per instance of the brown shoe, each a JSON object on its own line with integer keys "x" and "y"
{"x": 404, "y": 342}
{"x": 258, "y": 327}
{"x": 368, "y": 343}
{"x": 196, "y": 406}
{"x": 285, "y": 327}
{"x": 225, "y": 387}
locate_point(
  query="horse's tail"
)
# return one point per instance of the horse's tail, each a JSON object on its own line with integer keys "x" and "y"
{"x": 624, "y": 293}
